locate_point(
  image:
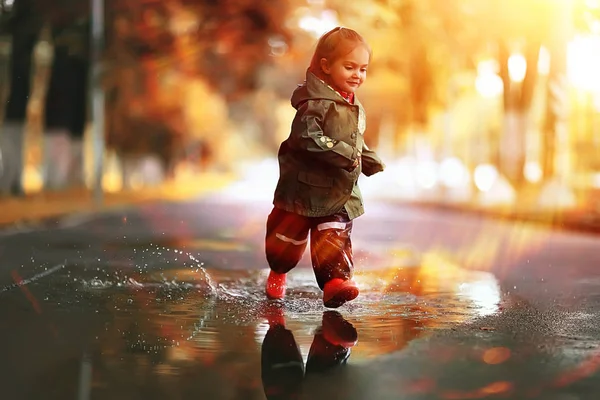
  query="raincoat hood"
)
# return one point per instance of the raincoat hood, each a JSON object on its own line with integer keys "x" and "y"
{"x": 314, "y": 88}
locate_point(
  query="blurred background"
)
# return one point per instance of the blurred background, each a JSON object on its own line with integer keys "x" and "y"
{"x": 493, "y": 102}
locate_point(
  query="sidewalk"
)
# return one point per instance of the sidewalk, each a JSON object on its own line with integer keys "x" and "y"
{"x": 578, "y": 209}
{"x": 572, "y": 219}
{"x": 36, "y": 207}
{"x": 583, "y": 217}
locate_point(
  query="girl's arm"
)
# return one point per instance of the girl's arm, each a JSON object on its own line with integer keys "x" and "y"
{"x": 307, "y": 134}
{"x": 371, "y": 163}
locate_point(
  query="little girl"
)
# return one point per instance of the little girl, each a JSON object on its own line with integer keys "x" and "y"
{"x": 319, "y": 166}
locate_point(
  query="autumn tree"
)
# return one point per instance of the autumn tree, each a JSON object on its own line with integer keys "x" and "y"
{"x": 223, "y": 43}
{"x": 427, "y": 43}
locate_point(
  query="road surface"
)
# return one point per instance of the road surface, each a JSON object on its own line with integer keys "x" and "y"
{"x": 165, "y": 301}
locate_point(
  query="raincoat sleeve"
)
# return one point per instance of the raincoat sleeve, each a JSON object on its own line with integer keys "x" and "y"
{"x": 371, "y": 163}
{"x": 307, "y": 134}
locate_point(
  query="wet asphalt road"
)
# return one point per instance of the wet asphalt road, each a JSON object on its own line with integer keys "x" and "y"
{"x": 165, "y": 301}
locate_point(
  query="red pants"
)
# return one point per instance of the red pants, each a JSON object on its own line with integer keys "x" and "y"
{"x": 330, "y": 244}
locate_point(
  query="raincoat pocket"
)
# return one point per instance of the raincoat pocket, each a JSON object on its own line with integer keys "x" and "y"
{"x": 315, "y": 191}
{"x": 315, "y": 180}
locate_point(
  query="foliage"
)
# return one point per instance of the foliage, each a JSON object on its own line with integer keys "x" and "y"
{"x": 420, "y": 46}
{"x": 164, "y": 44}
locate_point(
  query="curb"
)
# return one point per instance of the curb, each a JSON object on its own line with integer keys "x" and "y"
{"x": 213, "y": 184}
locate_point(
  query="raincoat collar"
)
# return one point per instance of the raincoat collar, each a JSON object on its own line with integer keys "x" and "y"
{"x": 314, "y": 88}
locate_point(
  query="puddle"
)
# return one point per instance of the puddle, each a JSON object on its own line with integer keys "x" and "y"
{"x": 164, "y": 324}
{"x": 196, "y": 301}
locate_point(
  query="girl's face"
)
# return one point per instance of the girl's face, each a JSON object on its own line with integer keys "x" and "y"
{"x": 348, "y": 72}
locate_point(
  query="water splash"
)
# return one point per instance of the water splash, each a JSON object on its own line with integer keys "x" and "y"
{"x": 96, "y": 283}
{"x": 152, "y": 281}
{"x": 46, "y": 272}
{"x": 211, "y": 283}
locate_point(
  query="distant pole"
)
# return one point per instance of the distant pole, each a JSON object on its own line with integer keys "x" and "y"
{"x": 97, "y": 44}
{"x": 557, "y": 149}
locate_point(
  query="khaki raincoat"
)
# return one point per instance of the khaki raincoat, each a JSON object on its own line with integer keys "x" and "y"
{"x": 315, "y": 161}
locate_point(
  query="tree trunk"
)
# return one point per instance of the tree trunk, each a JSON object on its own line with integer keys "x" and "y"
{"x": 512, "y": 146}
{"x": 517, "y": 103}
{"x": 554, "y": 143}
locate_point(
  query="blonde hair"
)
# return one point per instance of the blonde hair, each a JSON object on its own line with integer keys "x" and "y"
{"x": 334, "y": 44}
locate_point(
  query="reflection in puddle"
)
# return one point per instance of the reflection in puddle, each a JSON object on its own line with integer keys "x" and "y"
{"x": 282, "y": 364}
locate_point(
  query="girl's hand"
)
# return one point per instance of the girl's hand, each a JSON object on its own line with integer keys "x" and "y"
{"x": 355, "y": 164}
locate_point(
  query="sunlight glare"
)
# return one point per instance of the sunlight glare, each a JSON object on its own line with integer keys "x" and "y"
{"x": 484, "y": 293}
{"x": 453, "y": 173}
{"x": 485, "y": 176}
{"x": 318, "y": 25}
{"x": 533, "y": 171}
{"x": 517, "y": 67}
{"x": 544, "y": 61}
{"x": 488, "y": 83}
{"x": 427, "y": 175}
{"x": 583, "y": 63}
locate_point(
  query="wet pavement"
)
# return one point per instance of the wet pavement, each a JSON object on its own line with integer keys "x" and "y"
{"x": 166, "y": 301}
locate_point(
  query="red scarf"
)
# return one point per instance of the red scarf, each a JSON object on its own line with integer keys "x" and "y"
{"x": 349, "y": 97}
